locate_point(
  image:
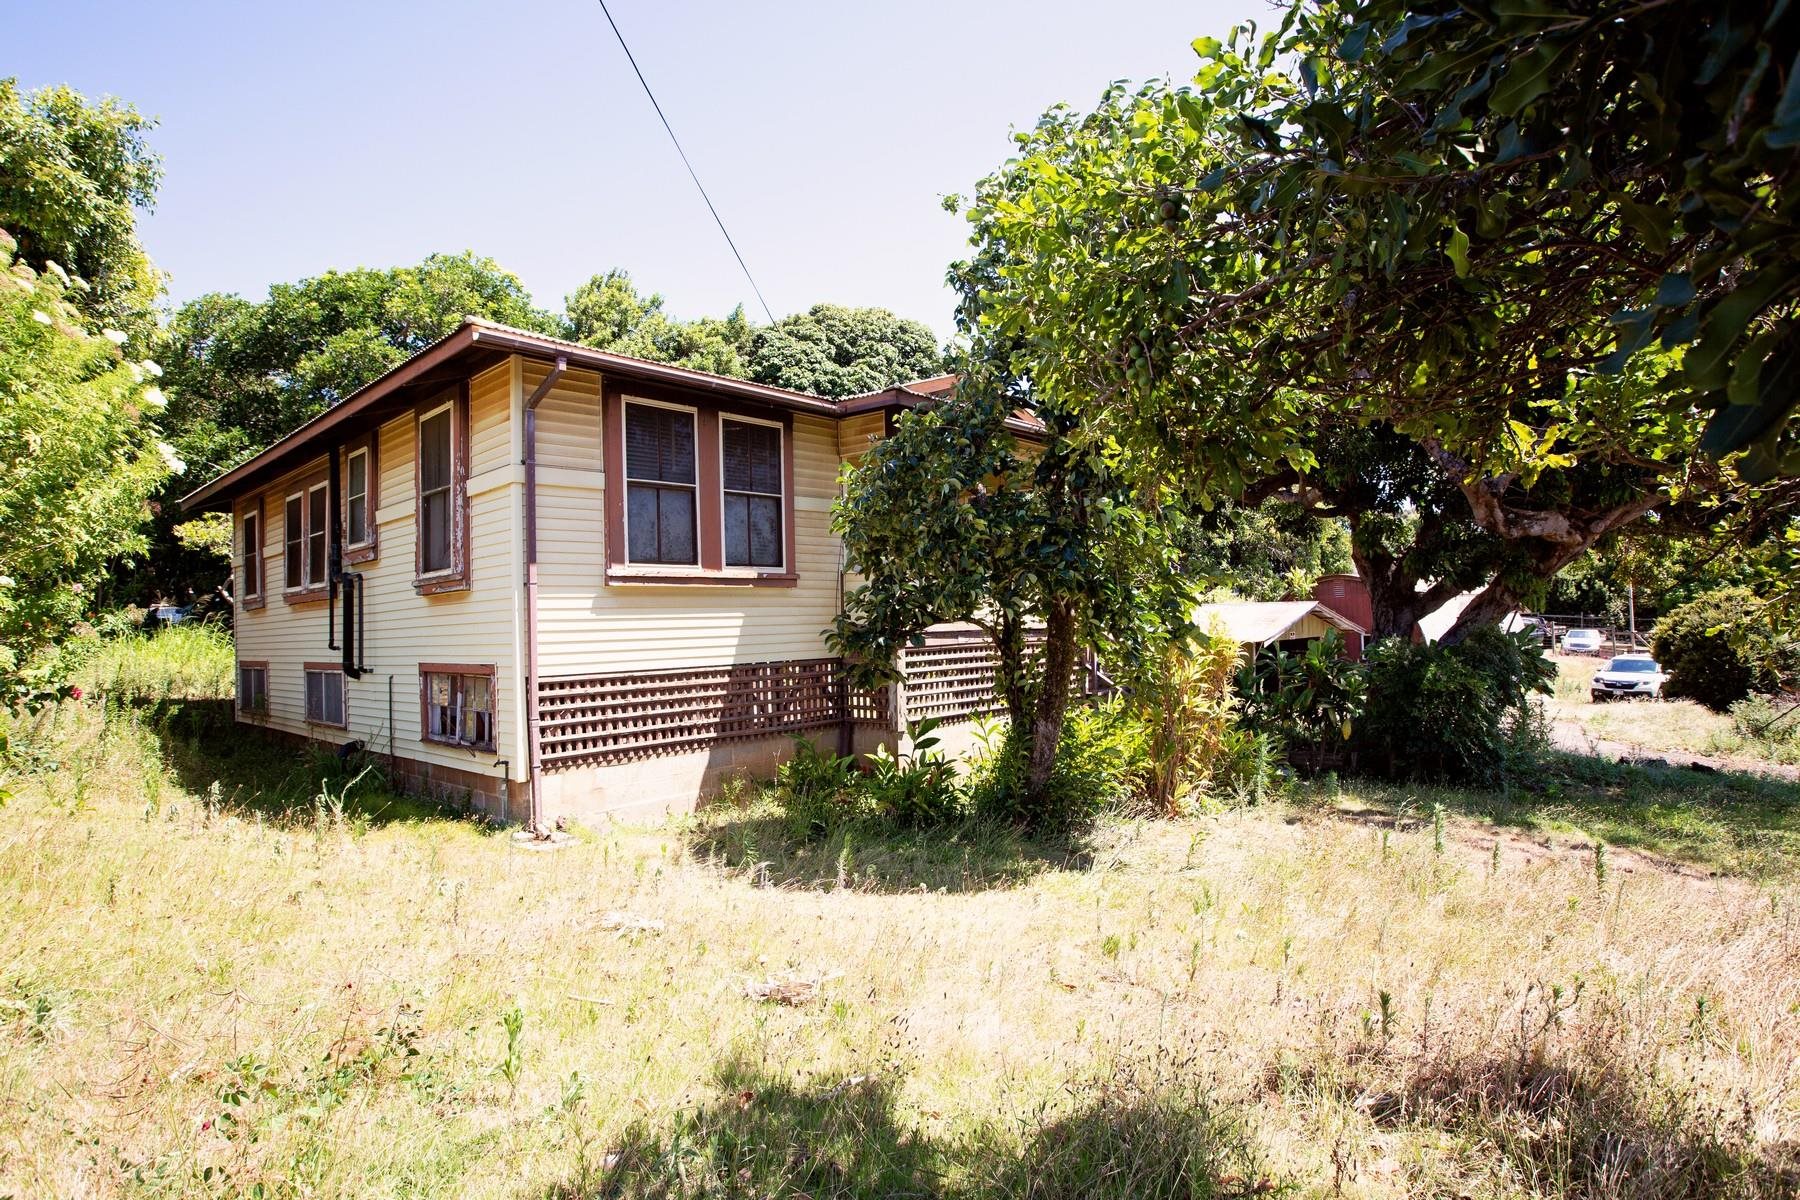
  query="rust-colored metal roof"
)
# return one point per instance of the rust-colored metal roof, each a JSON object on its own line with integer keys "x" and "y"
{"x": 482, "y": 340}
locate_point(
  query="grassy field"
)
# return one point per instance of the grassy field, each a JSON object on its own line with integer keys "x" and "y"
{"x": 291, "y": 984}
{"x": 1665, "y": 726}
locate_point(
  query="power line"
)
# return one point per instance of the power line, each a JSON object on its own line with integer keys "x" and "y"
{"x": 632, "y": 59}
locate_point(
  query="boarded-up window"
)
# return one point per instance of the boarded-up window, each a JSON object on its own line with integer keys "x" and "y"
{"x": 324, "y": 696}
{"x": 459, "y": 708}
{"x": 253, "y": 689}
{"x": 250, "y": 544}
{"x": 752, "y": 479}
{"x": 436, "y": 448}
{"x": 660, "y": 472}
{"x": 315, "y": 536}
{"x": 356, "y": 497}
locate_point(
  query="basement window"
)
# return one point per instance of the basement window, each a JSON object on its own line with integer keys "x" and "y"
{"x": 459, "y": 705}
{"x": 324, "y": 695}
{"x": 253, "y": 688}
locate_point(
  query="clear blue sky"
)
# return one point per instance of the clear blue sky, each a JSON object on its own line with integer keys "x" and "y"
{"x": 301, "y": 137}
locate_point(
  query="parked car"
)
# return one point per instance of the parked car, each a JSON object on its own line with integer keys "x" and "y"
{"x": 1539, "y": 629}
{"x": 1628, "y": 675}
{"x": 1582, "y": 641}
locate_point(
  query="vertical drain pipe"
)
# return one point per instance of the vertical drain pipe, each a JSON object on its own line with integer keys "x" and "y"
{"x": 535, "y": 758}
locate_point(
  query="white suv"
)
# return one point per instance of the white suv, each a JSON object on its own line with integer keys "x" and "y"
{"x": 1628, "y": 675}
{"x": 1582, "y": 641}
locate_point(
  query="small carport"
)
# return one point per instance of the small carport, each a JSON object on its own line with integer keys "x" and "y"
{"x": 1287, "y": 624}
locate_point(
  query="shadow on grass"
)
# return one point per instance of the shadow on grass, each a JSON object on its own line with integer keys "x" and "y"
{"x": 1594, "y": 1122}
{"x": 1729, "y": 822}
{"x": 203, "y": 746}
{"x": 765, "y": 1134}
{"x": 969, "y": 856}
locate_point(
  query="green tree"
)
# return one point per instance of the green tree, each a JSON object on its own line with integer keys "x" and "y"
{"x": 608, "y": 313}
{"x": 79, "y": 460}
{"x": 831, "y": 350}
{"x": 1047, "y": 551}
{"x": 242, "y": 373}
{"x": 1228, "y": 274}
{"x": 72, "y": 176}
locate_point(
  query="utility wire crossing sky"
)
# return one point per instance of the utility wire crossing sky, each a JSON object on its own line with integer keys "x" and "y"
{"x": 335, "y": 134}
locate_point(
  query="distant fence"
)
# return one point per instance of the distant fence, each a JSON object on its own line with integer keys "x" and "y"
{"x": 1618, "y": 639}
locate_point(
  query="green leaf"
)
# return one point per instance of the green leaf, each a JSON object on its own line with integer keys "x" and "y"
{"x": 1674, "y": 291}
{"x": 1458, "y": 251}
{"x": 1208, "y": 47}
{"x": 1526, "y": 78}
{"x": 1355, "y": 42}
{"x": 1784, "y": 125}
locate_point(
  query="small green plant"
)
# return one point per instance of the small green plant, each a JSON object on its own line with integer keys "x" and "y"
{"x": 1437, "y": 828}
{"x": 512, "y": 1063}
{"x": 1599, "y": 864}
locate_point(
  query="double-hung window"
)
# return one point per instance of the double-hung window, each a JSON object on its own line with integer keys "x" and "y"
{"x": 315, "y": 536}
{"x": 751, "y": 453}
{"x": 293, "y": 535}
{"x": 253, "y": 688}
{"x": 661, "y": 485}
{"x": 437, "y": 486}
{"x": 459, "y": 705}
{"x": 356, "y": 497}
{"x": 250, "y": 545}
{"x": 303, "y": 559}
{"x": 324, "y": 694}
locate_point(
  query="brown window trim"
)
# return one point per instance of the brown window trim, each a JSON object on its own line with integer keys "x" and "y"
{"x": 255, "y": 664}
{"x": 369, "y": 548}
{"x": 709, "y": 499}
{"x": 331, "y": 668}
{"x": 493, "y": 678}
{"x": 250, "y": 601}
{"x": 456, "y": 578}
{"x": 306, "y": 593}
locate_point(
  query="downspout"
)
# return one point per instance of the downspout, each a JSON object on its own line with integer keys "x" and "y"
{"x": 535, "y": 815}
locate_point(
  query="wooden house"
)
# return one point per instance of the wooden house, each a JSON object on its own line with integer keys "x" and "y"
{"x": 555, "y": 583}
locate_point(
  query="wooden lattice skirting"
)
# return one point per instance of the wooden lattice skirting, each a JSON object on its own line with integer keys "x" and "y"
{"x": 616, "y": 718}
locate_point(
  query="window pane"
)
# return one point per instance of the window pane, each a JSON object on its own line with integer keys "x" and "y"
{"x": 737, "y": 530}
{"x": 358, "y": 520}
{"x": 252, "y": 550}
{"x": 334, "y": 699}
{"x": 434, "y": 451}
{"x": 359, "y": 475}
{"x": 659, "y": 444}
{"x": 676, "y": 525}
{"x": 752, "y": 457}
{"x": 315, "y": 536}
{"x": 314, "y": 705}
{"x": 479, "y": 694}
{"x": 434, "y": 531}
{"x": 765, "y": 531}
{"x": 292, "y": 533}
{"x": 641, "y": 520}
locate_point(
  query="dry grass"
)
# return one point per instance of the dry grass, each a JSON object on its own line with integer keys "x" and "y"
{"x": 1659, "y": 727}
{"x": 209, "y": 997}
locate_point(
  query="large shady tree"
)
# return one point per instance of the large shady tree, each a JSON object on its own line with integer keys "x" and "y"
{"x": 1547, "y": 246}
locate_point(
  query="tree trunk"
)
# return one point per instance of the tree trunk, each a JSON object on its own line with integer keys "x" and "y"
{"x": 1493, "y": 604}
{"x": 1052, "y": 701}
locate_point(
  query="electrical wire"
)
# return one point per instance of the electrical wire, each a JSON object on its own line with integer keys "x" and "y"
{"x": 632, "y": 59}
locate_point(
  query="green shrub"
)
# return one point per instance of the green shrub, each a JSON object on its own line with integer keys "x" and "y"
{"x": 1252, "y": 766}
{"x": 1187, "y": 705}
{"x": 817, "y": 790}
{"x": 1100, "y": 765}
{"x": 1447, "y": 712}
{"x": 1719, "y": 648}
{"x": 1769, "y": 728}
{"x": 1309, "y": 701}
{"x": 180, "y": 662}
{"x": 821, "y": 792}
